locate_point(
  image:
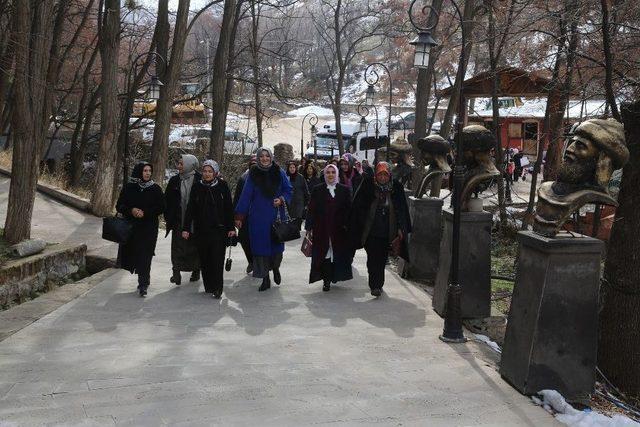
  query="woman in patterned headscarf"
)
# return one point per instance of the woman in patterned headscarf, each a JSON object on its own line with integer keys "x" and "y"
{"x": 380, "y": 223}
{"x": 209, "y": 221}
{"x": 141, "y": 201}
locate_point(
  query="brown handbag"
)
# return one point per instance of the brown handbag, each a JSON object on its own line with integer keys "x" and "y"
{"x": 307, "y": 247}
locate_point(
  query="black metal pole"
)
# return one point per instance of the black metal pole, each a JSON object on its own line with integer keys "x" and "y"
{"x": 453, "y": 331}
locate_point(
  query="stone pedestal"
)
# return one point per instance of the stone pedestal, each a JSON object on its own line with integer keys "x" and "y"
{"x": 475, "y": 264}
{"x": 551, "y": 338}
{"x": 424, "y": 240}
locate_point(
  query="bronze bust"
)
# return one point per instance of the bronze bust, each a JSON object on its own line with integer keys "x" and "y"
{"x": 478, "y": 143}
{"x": 434, "y": 150}
{"x": 594, "y": 150}
{"x": 400, "y": 158}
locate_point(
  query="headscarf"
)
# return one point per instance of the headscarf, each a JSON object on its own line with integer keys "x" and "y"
{"x": 313, "y": 167}
{"x": 383, "y": 168}
{"x": 291, "y": 176}
{"x": 331, "y": 186}
{"x": 216, "y": 169}
{"x": 189, "y": 165}
{"x": 258, "y": 153}
{"x": 136, "y": 176}
{"x": 347, "y": 177}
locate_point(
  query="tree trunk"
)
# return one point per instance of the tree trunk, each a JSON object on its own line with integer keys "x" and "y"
{"x": 29, "y": 118}
{"x": 255, "y": 70}
{"x": 452, "y": 108}
{"x": 619, "y": 344}
{"x": 78, "y": 159}
{"x": 608, "y": 59}
{"x": 160, "y": 147}
{"x": 219, "y": 83}
{"x": 109, "y": 40}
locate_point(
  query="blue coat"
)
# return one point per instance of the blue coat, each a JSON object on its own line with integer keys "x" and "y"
{"x": 256, "y": 204}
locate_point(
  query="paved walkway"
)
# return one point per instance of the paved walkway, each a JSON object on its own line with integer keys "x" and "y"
{"x": 290, "y": 356}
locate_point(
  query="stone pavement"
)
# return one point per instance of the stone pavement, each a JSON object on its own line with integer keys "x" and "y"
{"x": 290, "y": 356}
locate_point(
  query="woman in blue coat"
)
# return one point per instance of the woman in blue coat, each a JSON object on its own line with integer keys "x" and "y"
{"x": 265, "y": 190}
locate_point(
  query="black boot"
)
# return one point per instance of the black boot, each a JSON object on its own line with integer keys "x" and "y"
{"x": 266, "y": 284}
{"x": 195, "y": 276}
{"x": 326, "y": 287}
{"x": 176, "y": 278}
{"x": 276, "y": 276}
{"x": 376, "y": 292}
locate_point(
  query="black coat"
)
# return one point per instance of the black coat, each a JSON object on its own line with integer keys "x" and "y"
{"x": 360, "y": 213}
{"x": 210, "y": 210}
{"x": 300, "y": 196}
{"x": 136, "y": 254}
{"x": 328, "y": 218}
{"x": 172, "y": 197}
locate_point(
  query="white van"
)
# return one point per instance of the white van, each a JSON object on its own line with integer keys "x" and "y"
{"x": 359, "y": 144}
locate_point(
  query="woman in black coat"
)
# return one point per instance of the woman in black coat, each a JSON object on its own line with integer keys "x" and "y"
{"x": 380, "y": 223}
{"x": 141, "y": 201}
{"x": 300, "y": 196}
{"x": 210, "y": 216}
{"x": 326, "y": 226}
{"x": 184, "y": 254}
{"x": 310, "y": 175}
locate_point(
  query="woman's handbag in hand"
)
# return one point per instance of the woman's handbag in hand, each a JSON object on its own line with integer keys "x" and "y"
{"x": 284, "y": 231}
{"x": 227, "y": 264}
{"x": 116, "y": 229}
{"x": 307, "y": 246}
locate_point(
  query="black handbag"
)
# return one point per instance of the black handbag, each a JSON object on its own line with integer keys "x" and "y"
{"x": 116, "y": 229}
{"x": 284, "y": 231}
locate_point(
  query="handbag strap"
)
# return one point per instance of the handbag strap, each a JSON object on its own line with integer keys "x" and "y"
{"x": 287, "y": 218}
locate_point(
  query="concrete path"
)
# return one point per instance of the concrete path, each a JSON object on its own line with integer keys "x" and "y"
{"x": 291, "y": 356}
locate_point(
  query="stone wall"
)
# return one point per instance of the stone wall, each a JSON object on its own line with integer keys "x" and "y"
{"x": 20, "y": 278}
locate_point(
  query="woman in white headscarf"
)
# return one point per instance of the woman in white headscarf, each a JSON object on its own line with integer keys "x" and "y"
{"x": 184, "y": 254}
{"x": 209, "y": 221}
{"x": 326, "y": 226}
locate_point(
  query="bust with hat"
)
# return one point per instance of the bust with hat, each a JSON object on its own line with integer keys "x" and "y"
{"x": 478, "y": 143}
{"x": 595, "y": 149}
{"x": 400, "y": 157}
{"x": 434, "y": 150}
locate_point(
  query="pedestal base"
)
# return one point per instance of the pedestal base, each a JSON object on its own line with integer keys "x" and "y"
{"x": 475, "y": 264}
{"x": 551, "y": 338}
{"x": 424, "y": 240}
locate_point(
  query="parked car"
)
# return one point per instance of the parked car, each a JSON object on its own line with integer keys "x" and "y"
{"x": 362, "y": 145}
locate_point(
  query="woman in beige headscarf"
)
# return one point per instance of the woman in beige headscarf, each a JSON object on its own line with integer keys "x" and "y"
{"x": 184, "y": 254}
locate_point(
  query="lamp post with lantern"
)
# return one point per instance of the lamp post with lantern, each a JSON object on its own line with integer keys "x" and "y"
{"x": 372, "y": 77}
{"x": 363, "y": 112}
{"x": 452, "y": 331}
{"x": 313, "y": 120}
{"x": 151, "y": 92}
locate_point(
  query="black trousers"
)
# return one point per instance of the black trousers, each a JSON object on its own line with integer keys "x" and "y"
{"x": 377, "y": 249}
{"x": 211, "y": 250}
{"x": 144, "y": 272}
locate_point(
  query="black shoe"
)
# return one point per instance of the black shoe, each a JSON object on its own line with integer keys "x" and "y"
{"x": 326, "y": 287}
{"x": 266, "y": 284}
{"x": 276, "y": 276}
{"x": 249, "y": 269}
{"x": 376, "y": 292}
{"x": 176, "y": 278}
{"x": 195, "y": 276}
{"x": 217, "y": 295}
{"x": 143, "y": 292}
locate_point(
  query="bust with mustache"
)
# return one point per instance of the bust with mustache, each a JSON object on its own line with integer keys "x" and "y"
{"x": 594, "y": 150}
{"x": 434, "y": 150}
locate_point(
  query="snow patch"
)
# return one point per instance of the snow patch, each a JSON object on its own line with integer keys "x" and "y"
{"x": 555, "y": 404}
{"x": 485, "y": 339}
{"x": 315, "y": 109}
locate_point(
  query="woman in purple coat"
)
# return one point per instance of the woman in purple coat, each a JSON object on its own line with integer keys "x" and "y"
{"x": 326, "y": 226}
{"x": 265, "y": 190}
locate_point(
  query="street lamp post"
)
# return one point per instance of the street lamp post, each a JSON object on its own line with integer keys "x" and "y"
{"x": 372, "y": 77}
{"x": 404, "y": 125}
{"x": 452, "y": 331}
{"x": 313, "y": 120}
{"x": 363, "y": 111}
{"x": 152, "y": 91}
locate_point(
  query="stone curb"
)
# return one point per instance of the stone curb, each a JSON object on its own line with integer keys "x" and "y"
{"x": 16, "y": 318}
{"x": 58, "y": 194}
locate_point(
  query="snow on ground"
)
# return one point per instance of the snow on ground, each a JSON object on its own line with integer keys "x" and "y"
{"x": 485, "y": 339}
{"x": 315, "y": 109}
{"x": 535, "y": 107}
{"x": 555, "y": 404}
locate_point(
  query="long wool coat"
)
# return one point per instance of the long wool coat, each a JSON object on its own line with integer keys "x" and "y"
{"x": 210, "y": 211}
{"x": 328, "y": 217}
{"x": 136, "y": 254}
{"x": 256, "y": 203}
{"x": 360, "y": 218}
{"x": 300, "y": 196}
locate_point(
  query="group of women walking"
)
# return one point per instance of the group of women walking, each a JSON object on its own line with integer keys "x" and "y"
{"x": 343, "y": 210}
